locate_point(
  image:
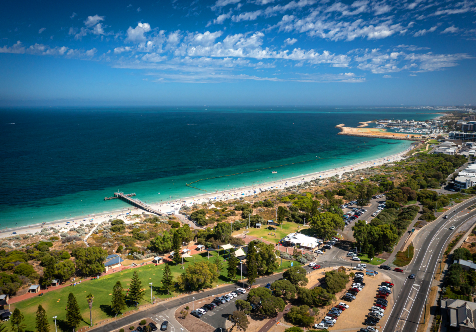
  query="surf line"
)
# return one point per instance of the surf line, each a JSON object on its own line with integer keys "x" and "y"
{"x": 190, "y": 185}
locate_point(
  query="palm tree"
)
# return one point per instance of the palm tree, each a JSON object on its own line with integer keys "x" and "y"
{"x": 90, "y": 299}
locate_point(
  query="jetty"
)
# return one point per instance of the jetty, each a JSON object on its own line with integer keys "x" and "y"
{"x": 133, "y": 201}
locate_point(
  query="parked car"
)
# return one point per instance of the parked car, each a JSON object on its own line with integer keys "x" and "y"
{"x": 152, "y": 326}
{"x": 164, "y": 326}
{"x": 388, "y": 283}
{"x": 342, "y": 304}
{"x": 196, "y": 313}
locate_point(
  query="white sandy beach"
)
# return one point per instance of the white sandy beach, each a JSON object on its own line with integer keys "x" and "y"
{"x": 172, "y": 207}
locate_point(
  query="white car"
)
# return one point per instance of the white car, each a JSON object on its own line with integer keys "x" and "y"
{"x": 322, "y": 325}
{"x": 231, "y": 295}
{"x": 312, "y": 264}
{"x": 344, "y": 305}
{"x": 362, "y": 265}
{"x": 200, "y": 310}
{"x": 374, "y": 308}
{"x": 452, "y": 227}
{"x": 350, "y": 254}
{"x": 357, "y": 285}
{"x": 319, "y": 252}
{"x": 355, "y": 258}
{"x": 385, "y": 288}
{"x": 371, "y": 329}
{"x": 241, "y": 290}
{"x": 330, "y": 320}
{"x": 376, "y": 314}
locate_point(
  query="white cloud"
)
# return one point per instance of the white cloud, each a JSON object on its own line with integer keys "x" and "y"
{"x": 424, "y": 31}
{"x": 387, "y": 76}
{"x": 204, "y": 39}
{"x": 119, "y": 50}
{"x": 263, "y": 2}
{"x": 272, "y": 10}
{"x": 290, "y": 41}
{"x": 138, "y": 33}
{"x": 451, "y": 29}
{"x": 139, "y": 10}
{"x": 98, "y": 30}
{"x": 222, "y": 3}
{"x": 221, "y": 18}
{"x": 41, "y": 30}
{"x": 91, "y": 52}
{"x": 153, "y": 57}
{"x": 381, "y": 8}
{"x": 16, "y": 48}
{"x": 73, "y": 15}
{"x": 247, "y": 16}
{"x": 93, "y": 20}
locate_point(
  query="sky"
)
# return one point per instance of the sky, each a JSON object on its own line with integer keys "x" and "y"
{"x": 237, "y": 52}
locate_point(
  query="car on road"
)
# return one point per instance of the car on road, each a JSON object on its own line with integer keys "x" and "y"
{"x": 452, "y": 227}
{"x": 241, "y": 290}
{"x": 362, "y": 265}
{"x": 397, "y": 269}
{"x": 315, "y": 267}
{"x": 152, "y": 326}
{"x": 164, "y": 326}
{"x": 385, "y": 267}
{"x": 355, "y": 258}
{"x": 411, "y": 276}
{"x": 350, "y": 254}
{"x": 312, "y": 264}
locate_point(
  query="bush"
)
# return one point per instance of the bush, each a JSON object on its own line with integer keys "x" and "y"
{"x": 142, "y": 322}
{"x": 121, "y": 330}
{"x": 131, "y": 328}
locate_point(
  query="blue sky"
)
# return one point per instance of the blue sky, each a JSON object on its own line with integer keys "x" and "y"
{"x": 237, "y": 52}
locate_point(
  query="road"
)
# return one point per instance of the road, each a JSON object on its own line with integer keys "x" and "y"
{"x": 429, "y": 245}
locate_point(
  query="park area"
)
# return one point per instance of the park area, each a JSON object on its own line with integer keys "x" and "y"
{"x": 274, "y": 233}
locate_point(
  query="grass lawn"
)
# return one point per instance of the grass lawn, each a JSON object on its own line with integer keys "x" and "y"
{"x": 55, "y": 302}
{"x": 375, "y": 261}
{"x": 268, "y": 235}
{"x": 433, "y": 141}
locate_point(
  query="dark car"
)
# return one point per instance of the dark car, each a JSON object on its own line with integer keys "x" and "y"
{"x": 164, "y": 326}
{"x": 385, "y": 267}
{"x": 196, "y": 313}
{"x": 411, "y": 276}
{"x": 370, "y": 322}
{"x": 139, "y": 329}
{"x": 398, "y": 269}
{"x": 153, "y": 327}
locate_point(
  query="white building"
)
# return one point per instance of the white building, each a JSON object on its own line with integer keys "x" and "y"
{"x": 465, "y": 182}
{"x": 301, "y": 240}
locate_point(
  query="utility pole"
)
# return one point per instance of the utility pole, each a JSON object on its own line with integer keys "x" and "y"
{"x": 150, "y": 292}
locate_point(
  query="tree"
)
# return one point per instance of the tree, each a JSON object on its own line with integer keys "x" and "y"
{"x": 222, "y": 231}
{"x": 326, "y": 224}
{"x": 283, "y": 212}
{"x": 167, "y": 278}
{"x": 177, "y": 247}
{"x": 73, "y": 315}
{"x": 118, "y": 299}
{"x": 233, "y": 262}
{"x": 90, "y": 261}
{"x": 300, "y": 316}
{"x": 90, "y": 299}
{"x": 270, "y": 306}
{"x": 65, "y": 270}
{"x": 251, "y": 264}
{"x": 371, "y": 252}
{"x": 136, "y": 293}
{"x": 48, "y": 272}
{"x": 198, "y": 276}
{"x": 284, "y": 288}
{"x": 296, "y": 275}
{"x": 244, "y": 306}
{"x": 42, "y": 324}
{"x": 218, "y": 263}
{"x": 266, "y": 260}
{"x": 17, "y": 321}
{"x": 161, "y": 244}
{"x": 336, "y": 281}
{"x": 239, "y": 320}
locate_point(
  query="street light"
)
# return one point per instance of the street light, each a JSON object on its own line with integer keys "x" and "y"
{"x": 55, "y": 323}
{"x": 193, "y": 303}
{"x": 150, "y": 292}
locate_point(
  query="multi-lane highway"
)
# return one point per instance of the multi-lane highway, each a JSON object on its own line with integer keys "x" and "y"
{"x": 429, "y": 246}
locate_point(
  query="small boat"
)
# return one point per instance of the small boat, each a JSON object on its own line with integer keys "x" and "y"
{"x": 274, "y": 172}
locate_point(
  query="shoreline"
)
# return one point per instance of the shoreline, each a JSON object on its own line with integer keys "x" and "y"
{"x": 173, "y": 206}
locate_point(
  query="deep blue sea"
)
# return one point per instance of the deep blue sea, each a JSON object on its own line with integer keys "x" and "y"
{"x": 61, "y": 163}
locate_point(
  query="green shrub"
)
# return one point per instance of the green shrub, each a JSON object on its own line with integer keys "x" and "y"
{"x": 131, "y": 328}
{"x": 121, "y": 330}
{"x": 143, "y": 322}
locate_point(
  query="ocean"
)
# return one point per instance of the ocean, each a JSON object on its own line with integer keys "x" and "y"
{"x": 60, "y": 163}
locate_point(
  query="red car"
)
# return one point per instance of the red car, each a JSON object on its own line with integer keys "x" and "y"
{"x": 315, "y": 267}
{"x": 354, "y": 289}
{"x": 388, "y": 283}
{"x": 381, "y": 306}
{"x": 341, "y": 307}
{"x": 398, "y": 270}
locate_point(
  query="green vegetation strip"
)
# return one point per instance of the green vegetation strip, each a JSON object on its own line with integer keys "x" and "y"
{"x": 404, "y": 257}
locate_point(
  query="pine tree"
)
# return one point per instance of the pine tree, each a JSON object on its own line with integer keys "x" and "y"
{"x": 17, "y": 321}
{"x": 42, "y": 324}
{"x": 48, "y": 272}
{"x": 219, "y": 264}
{"x": 177, "y": 248}
{"x": 233, "y": 262}
{"x": 371, "y": 253}
{"x": 135, "y": 290}
{"x": 167, "y": 278}
{"x": 118, "y": 299}
{"x": 251, "y": 264}
{"x": 73, "y": 315}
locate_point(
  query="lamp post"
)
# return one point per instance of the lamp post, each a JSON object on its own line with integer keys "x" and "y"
{"x": 193, "y": 303}
{"x": 150, "y": 292}
{"x": 55, "y": 323}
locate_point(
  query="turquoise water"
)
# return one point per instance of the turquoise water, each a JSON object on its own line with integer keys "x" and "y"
{"x": 61, "y": 163}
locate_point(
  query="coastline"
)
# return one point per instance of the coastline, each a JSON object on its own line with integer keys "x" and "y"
{"x": 173, "y": 206}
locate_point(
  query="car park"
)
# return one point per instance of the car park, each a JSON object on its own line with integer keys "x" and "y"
{"x": 371, "y": 329}
{"x": 350, "y": 254}
{"x": 319, "y": 252}
{"x": 376, "y": 314}
{"x": 340, "y": 307}
{"x": 382, "y": 301}
{"x": 381, "y": 306}
{"x": 382, "y": 296}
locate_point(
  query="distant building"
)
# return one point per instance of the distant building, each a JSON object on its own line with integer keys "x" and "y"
{"x": 464, "y": 182}
{"x": 112, "y": 262}
{"x": 460, "y": 314}
{"x": 467, "y": 265}
{"x": 301, "y": 240}
{"x": 34, "y": 289}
